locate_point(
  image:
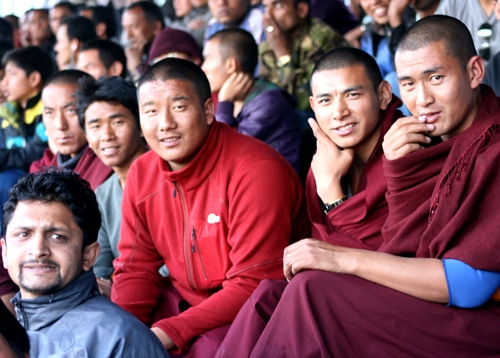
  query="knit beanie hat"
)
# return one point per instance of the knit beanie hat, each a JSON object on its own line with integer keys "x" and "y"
{"x": 174, "y": 40}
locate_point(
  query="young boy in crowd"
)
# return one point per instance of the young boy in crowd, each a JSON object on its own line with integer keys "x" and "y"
{"x": 109, "y": 115}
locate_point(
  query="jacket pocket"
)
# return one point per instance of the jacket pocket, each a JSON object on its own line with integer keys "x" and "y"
{"x": 210, "y": 254}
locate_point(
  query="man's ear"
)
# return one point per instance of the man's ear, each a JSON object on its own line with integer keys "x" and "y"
{"x": 90, "y": 253}
{"x": 4, "y": 252}
{"x": 475, "y": 69}
{"x": 115, "y": 69}
{"x": 35, "y": 79}
{"x": 74, "y": 45}
{"x": 232, "y": 65}
{"x": 302, "y": 10}
{"x": 209, "y": 110}
{"x": 384, "y": 94}
{"x": 157, "y": 27}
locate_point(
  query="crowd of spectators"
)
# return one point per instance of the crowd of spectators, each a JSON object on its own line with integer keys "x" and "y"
{"x": 234, "y": 156}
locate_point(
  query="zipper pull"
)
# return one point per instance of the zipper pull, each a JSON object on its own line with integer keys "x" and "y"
{"x": 193, "y": 236}
{"x": 175, "y": 191}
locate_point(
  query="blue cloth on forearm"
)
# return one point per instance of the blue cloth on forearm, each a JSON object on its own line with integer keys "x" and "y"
{"x": 468, "y": 287}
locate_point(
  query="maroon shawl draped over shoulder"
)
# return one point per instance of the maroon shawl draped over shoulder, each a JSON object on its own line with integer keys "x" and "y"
{"x": 357, "y": 223}
{"x": 89, "y": 167}
{"x": 444, "y": 200}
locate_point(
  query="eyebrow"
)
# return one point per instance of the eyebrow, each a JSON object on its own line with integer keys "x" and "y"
{"x": 425, "y": 72}
{"x": 347, "y": 90}
{"x": 150, "y": 103}
{"x": 111, "y": 116}
{"x": 180, "y": 98}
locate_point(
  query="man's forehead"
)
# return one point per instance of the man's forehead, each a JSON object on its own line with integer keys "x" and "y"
{"x": 349, "y": 75}
{"x": 170, "y": 87}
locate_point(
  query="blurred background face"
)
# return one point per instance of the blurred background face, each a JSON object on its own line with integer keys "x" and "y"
{"x": 284, "y": 13}
{"x": 16, "y": 84}
{"x": 182, "y": 7}
{"x": 214, "y": 66}
{"x": 228, "y": 12}
{"x": 38, "y": 27}
{"x": 377, "y": 9}
{"x": 88, "y": 61}
{"x": 137, "y": 28}
{"x": 57, "y": 14}
{"x": 63, "y": 48}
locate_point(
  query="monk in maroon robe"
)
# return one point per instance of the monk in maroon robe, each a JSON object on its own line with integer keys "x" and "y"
{"x": 354, "y": 108}
{"x": 443, "y": 205}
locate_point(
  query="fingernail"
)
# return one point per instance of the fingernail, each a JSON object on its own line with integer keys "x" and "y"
{"x": 428, "y": 139}
{"x": 430, "y": 126}
{"x": 422, "y": 118}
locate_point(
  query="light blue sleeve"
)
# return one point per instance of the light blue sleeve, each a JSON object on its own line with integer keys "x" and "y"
{"x": 468, "y": 287}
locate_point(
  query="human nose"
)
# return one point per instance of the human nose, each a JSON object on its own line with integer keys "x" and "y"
{"x": 38, "y": 246}
{"x": 424, "y": 96}
{"x": 166, "y": 121}
{"x": 339, "y": 109}
{"x": 108, "y": 132}
{"x": 60, "y": 120}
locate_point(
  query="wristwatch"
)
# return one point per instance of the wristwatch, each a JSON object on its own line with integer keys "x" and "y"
{"x": 283, "y": 60}
{"x": 329, "y": 207}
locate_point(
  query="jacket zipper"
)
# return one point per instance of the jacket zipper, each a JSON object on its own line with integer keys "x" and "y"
{"x": 196, "y": 248}
{"x": 23, "y": 314}
{"x": 187, "y": 241}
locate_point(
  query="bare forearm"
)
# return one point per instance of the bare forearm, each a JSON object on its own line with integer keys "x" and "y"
{"x": 419, "y": 277}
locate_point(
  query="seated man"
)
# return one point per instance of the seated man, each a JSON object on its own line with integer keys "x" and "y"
{"x": 228, "y": 14}
{"x": 51, "y": 222}
{"x": 345, "y": 187}
{"x": 59, "y": 12}
{"x": 254, "y": 106}
{"x": 63, "y": 129}
{"x": 141, "y": 22}
{"x": 109, "y": 115}
{"x": 440, "y": 239}
{"x": 215, "y": 206}
{"x": 295, "y": 42}
{"x": 71, "y": 35}
{"x": 102, "y": 58}
{"x": 104, "y": 20}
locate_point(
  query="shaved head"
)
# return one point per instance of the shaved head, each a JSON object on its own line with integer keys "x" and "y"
{"x": 451, "y": 32}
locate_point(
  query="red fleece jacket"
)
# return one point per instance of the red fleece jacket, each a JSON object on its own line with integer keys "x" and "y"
{"x": 220, "y": 225}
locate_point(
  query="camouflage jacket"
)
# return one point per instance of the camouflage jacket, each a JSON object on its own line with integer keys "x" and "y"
{"x": 314, "y": 41}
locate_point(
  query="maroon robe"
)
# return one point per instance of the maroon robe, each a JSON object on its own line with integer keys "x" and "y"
{"x": 89, "y": 167}
{"x": 443, "y": 203}
{"x": 357, "y": 223}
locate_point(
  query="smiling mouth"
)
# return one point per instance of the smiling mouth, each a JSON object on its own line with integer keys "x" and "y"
{"x": 346, "y": 127}
{"x": 169, "y": 140}
{"x": 109, "y": 149}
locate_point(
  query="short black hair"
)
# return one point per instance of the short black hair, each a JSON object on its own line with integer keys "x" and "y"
{"x": 103, "y": 14}
{"x": 450, "y": 31}
{"x": 179, "y": 69}
{"x": 67, "y": 5}
{"x": 107, "y": 89}
{"x": 151, "y": 11}
{"x": 239, "y": 44}
{"x": 60, "y": 186}
{"x": 342, "y": 57}
{"x": 5, "y": 30}
{"x": 13, "y": 332}
{"x": 5, "y": 46}
{"x": 109, "y": 52}
{"x": 80, "y": 28}
{"x": 70, "y": 77}
{"x": 30, "y": 59}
